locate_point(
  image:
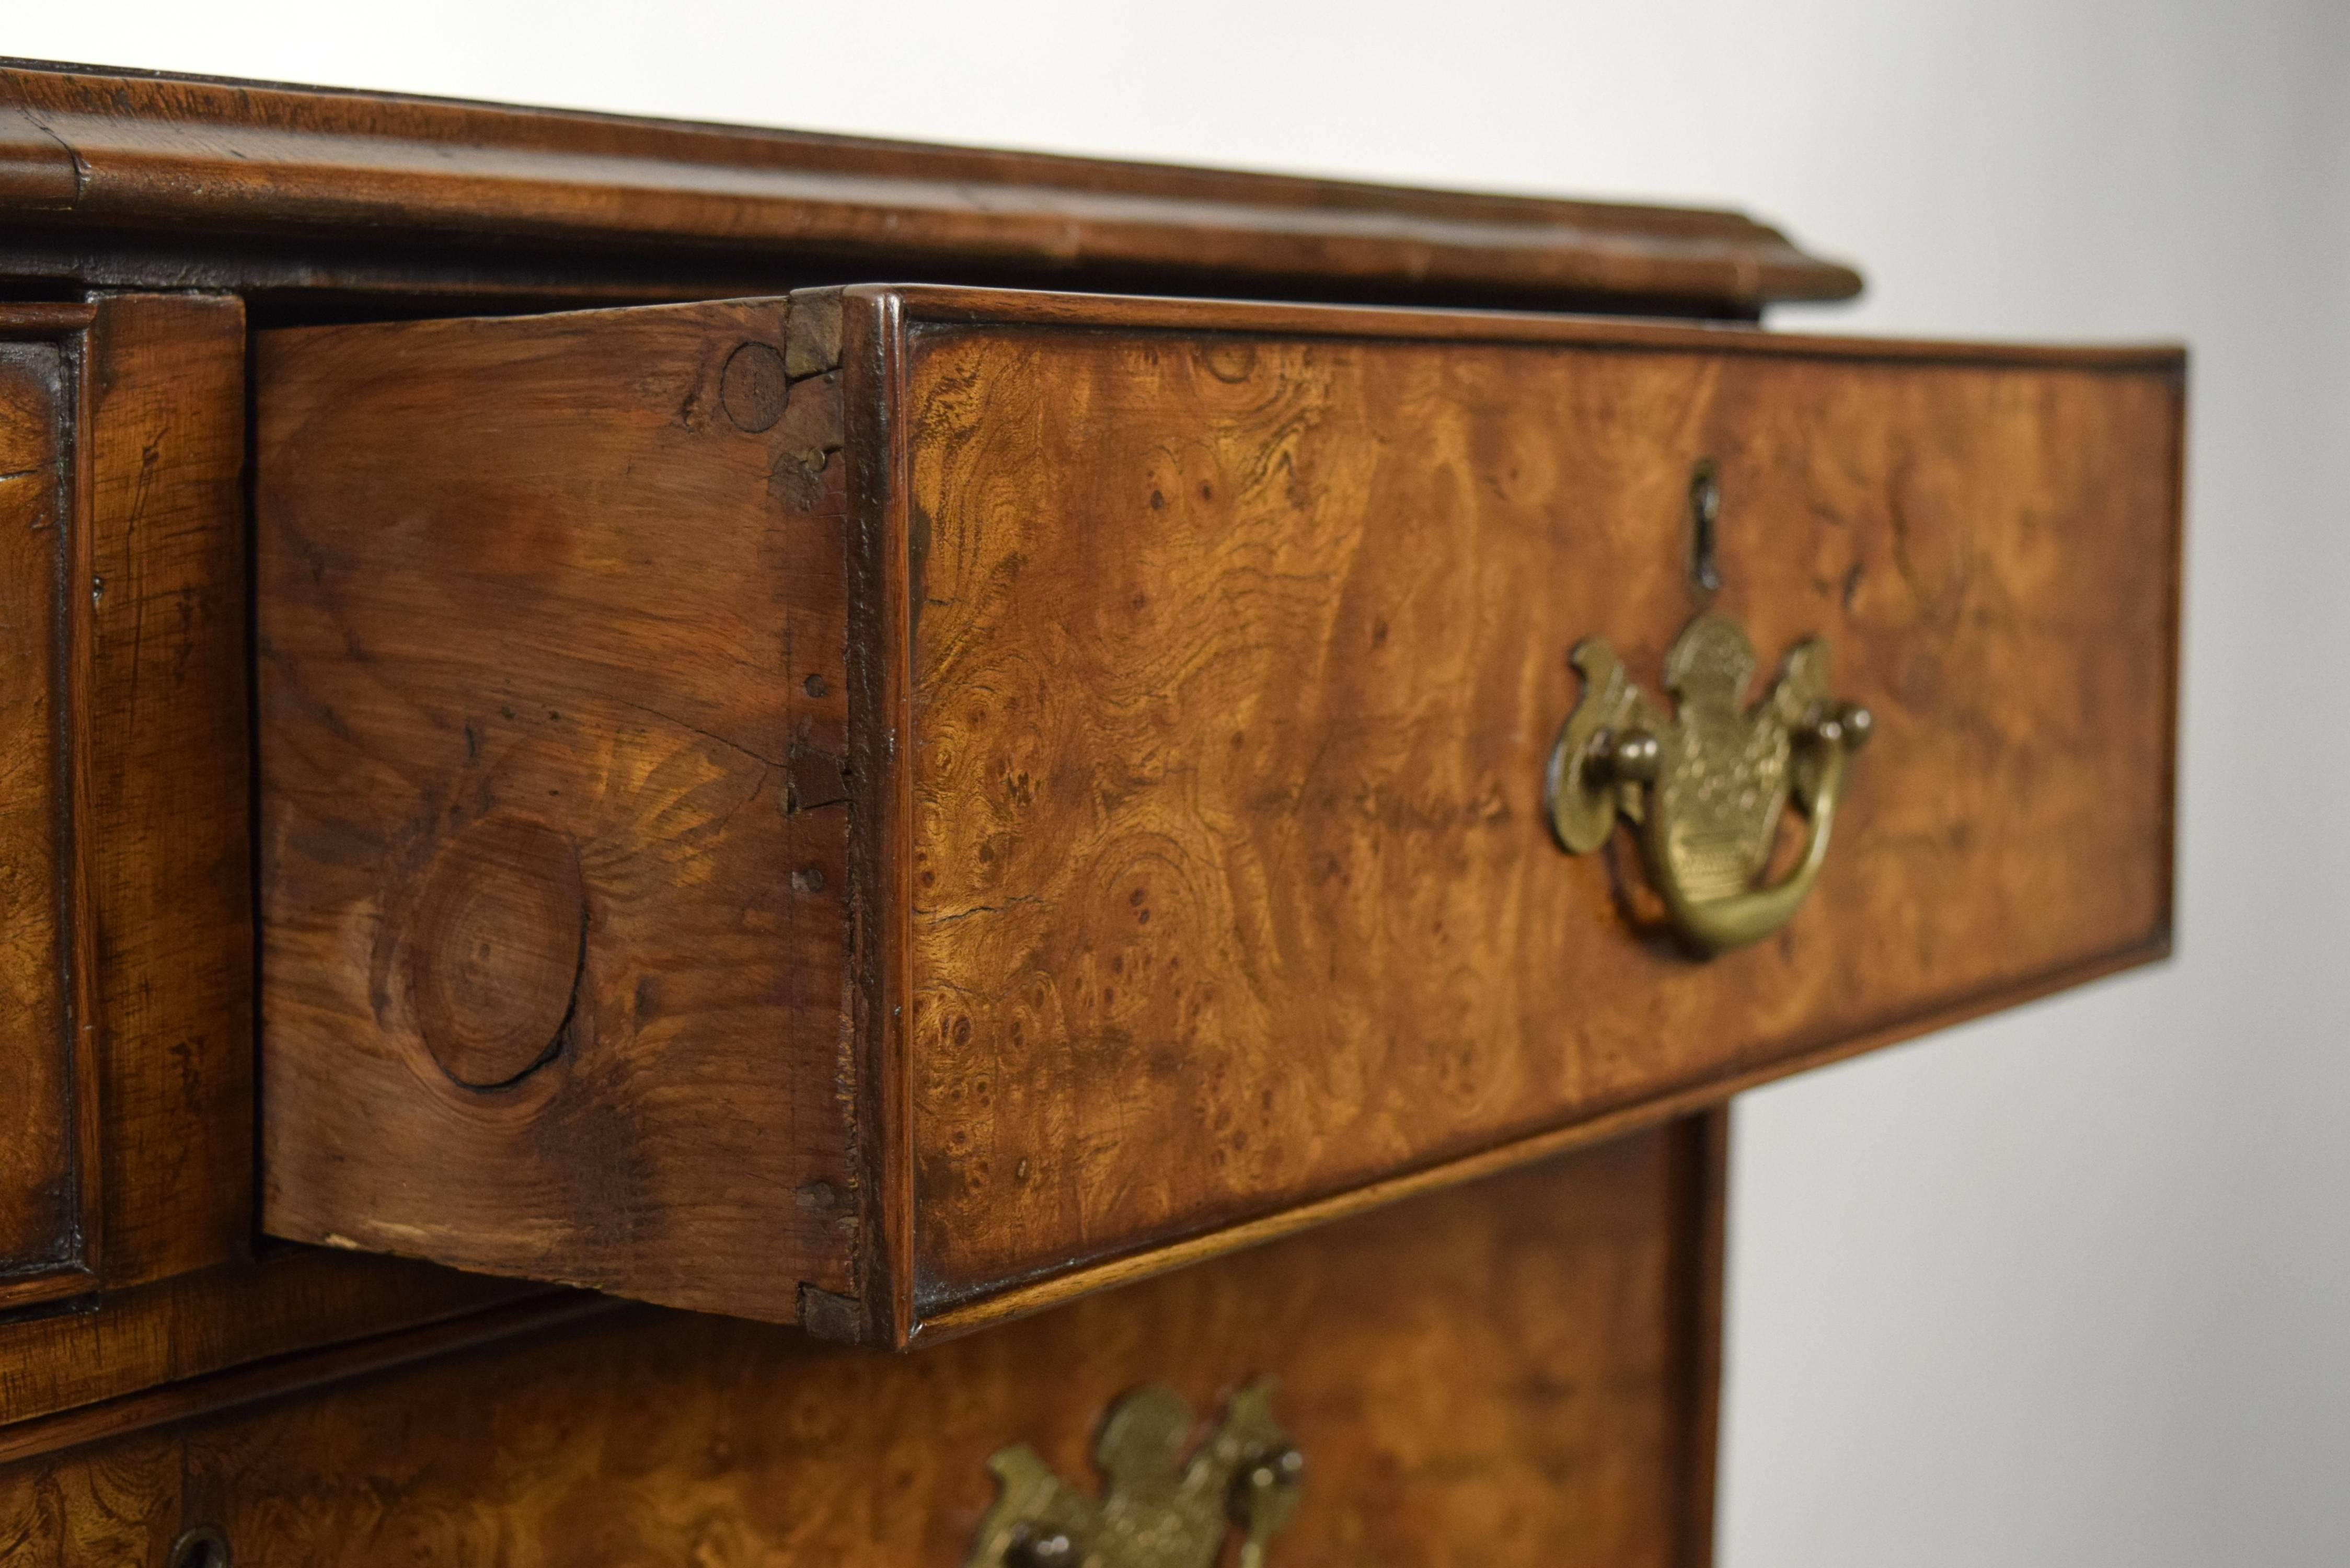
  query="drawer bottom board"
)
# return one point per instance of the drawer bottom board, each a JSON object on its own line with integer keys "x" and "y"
{"x": 1519, "y": 1371}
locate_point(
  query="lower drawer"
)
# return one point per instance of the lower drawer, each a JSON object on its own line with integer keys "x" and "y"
{"x": 1519, "y": 1371}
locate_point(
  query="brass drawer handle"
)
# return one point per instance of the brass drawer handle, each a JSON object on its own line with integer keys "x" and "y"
{"x": 1705, "y": 785}
{"x": 1164, "y": 1504}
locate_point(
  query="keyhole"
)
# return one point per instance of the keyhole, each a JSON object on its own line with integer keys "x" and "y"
{"x": 1705, "y": 515}
{"x": 203, "y": 1547}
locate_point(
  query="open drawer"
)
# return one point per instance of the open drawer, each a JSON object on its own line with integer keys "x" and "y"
{"x": 889, "y": 807}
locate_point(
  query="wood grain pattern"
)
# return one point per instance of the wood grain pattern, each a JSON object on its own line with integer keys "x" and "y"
{"x": 130, "y": 178}
{"x": 1162, "y": 1256}
{"x": 1237, "y": 656}
{"x": 163, "y": 833}
{"x": 46, "y": 1185}
{"x": 149, "y": 541}
{"x": 1541, "y": 1414}
{"x": 117, "y": 1507}
{"x": 592, "y": 616}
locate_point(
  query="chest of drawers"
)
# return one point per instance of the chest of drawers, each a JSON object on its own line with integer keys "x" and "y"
{"x": 651, "y": 767}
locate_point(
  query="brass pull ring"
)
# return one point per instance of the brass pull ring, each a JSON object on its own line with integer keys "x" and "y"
{"x": 1705, "y": 785}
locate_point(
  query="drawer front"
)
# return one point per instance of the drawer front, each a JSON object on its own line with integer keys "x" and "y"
{"x": 1237, "y": 661}
{"x": 1517, "y": 1372}
{"x": 890, "y": 807}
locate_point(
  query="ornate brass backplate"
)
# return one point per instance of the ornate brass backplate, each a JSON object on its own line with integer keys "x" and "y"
{"x": 1705, "y": 783}
{"x": 1164, "y": 1503}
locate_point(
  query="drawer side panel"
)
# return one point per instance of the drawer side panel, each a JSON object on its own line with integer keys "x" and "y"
{"x": 553, "y": 824}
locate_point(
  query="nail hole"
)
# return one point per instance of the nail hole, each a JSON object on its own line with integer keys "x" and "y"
{"x": 203, "y": 1547}
{"x": 809, "y": 879}
{"x": 813, "y": 686}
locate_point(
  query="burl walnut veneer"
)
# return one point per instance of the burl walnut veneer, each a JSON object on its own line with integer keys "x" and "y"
{"x": 555, "y": 729}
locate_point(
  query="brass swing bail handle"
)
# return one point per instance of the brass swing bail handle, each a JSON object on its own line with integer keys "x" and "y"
{"x": 1704, "y": 784}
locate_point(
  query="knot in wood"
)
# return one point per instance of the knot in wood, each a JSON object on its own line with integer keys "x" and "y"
{"x": 496, "y": 949}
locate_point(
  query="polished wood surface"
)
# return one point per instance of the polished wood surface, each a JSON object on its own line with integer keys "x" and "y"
{"x": 48, "y": 1189}
{"x": 1237, "y": 653}
{"x": 554, "y": 826}
{"x": 141, "y": 511}
{"x": 123, "y": 848}
{"x": 162, "y": 835}
{"x": 1185, "y": 875}
{"x": 132, "y": 179}
{"x": 1552, "y": 1406}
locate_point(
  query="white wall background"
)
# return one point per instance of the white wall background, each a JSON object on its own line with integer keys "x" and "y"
{"x": 2067, "y": 1288}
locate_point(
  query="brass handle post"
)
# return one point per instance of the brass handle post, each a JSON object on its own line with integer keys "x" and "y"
{"x": 1166, "y": 1501}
